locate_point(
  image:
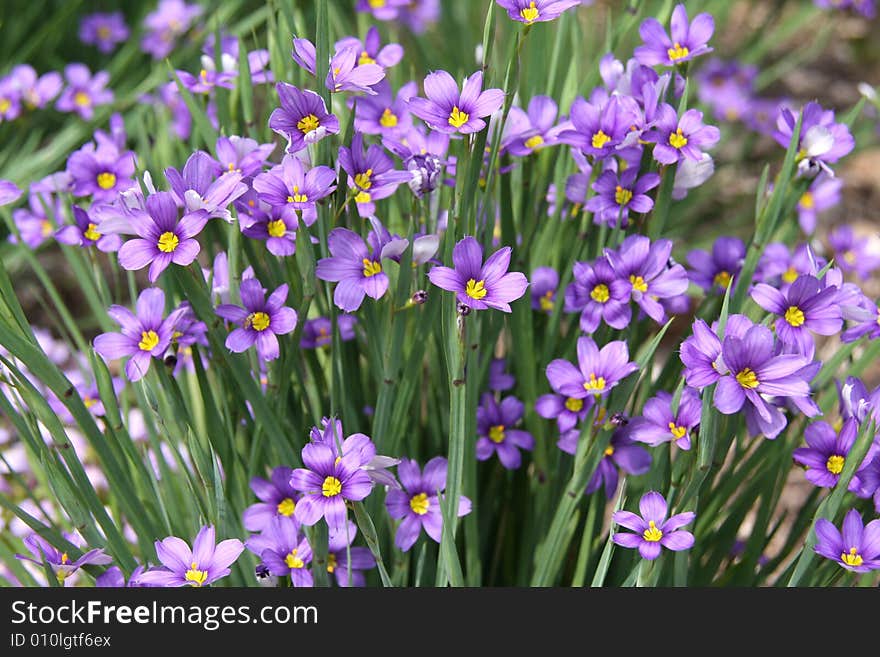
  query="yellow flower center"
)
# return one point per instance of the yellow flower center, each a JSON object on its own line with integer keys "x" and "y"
{"x": 853, "y": 558}
{"x": 722, "y": 279}
{"x": 90, "y": 233}
{"x": 45, "y": 228}
{"x": 286, "y": 507}
{"x": 457, "y": 118}
{"x": 834, "y": 464}
{"x": 331, "y": 563}
{"x": 677, "y": 52}
{"x": 82, "y": 99}
{"x": 307, "y": 124}
{"x": 600, "y": 139}
{"x": 259, "y": 321}
{"x": 276, "y": 228}
{"x": 388, "y": 118}
{"x": 546, "y": 301}
{"x": 747, "y": 379}
{"x": 106, "y": 180}
{"x": 5, "y": 104}
{"x": 419, "y": 504}
{"x": 365, "y": 58}
{"x": 371, "y": 268}
{"x": 377, "y": 4}
{"x": 795, "y": 316}
{"x": 292, "y": 561}
{"x": 530, "y": 13}
{"x": 652, "y": 534}
{"x": 638, "y": 283}
{"x": 622, "y": 196}
{"x": 677, "y": 140}
{"x": 807, "y": 201}
{"x": 849, "y": 257}
{"x": 296, "y": 197}
{"x": 331, "y": 487}
{"x": 64, "y": 558}
{"x": 609, "y": 451}
{"x": 595, "y": 385}
{"x": 362, "y": 180}
{"x": 677, "y": 430}
{"x": 104, "y": 32}
{"x": 149, "y": 340}
{"x": 574, "y": 405}
{"x": 600, "y": 293}
{"x": 534, "y": 142}
{"x": 475, "y": 289}
{"x": 362, "y": 197}
{"x": 168, "y": 241}
{"x": 194, "y": 576}
{"x": 204, "y": 75}
{"x": 790, "y": 275}
{"x": 496, "y": 433}
{"x": 88, "y": 402}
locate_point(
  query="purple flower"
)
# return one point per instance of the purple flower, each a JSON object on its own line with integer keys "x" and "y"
{"x": 326, "y": 483}
{"x": 346, "y": 72}
{"x": 424, "y": 157}
{"x": 84, "y": 232}
{"x": 856, "y": 548}
{"x": 599, "y": 129}
{"x": 283, "y": 551}
{"x": 290, "y": 187}
{"x": 567, "y": 411}
{"x": 144, "y": 335}
{"x": 821, "y": 140}
{"x": 371, "y": 175}
{"x": 302, "y": 118}
{"x": 477, "y": 285}
{"x": 826, "y": 453}
{"x": 383, "y": 113}
{"x": 207, "y": 562}
{"x": 544, "y": 282}
{"x": 676, "y": 139}
{"x": 598, "y": 293}
{"x": 701, "y": 352}
{"x": 597, "y": 371}
{"x": 241, "y": 155}
{"x": 37, "y": 223}
{"x": 449, "y": 111}
{"x": 36, "y": 92}
{"x": 163, "y": 238}
{"x": 622, "y": 452}
{"x": 261, "y": 319}
{"x": 617, "y": 195}
{"x": 852, "y": 253}
{"x": 164, "y": 25}
{"x": 58, "y": 561}
{"x": 197, "y": 187}
{"x": 527, "y": 132}
{"x": 10, "y": 98}
{"x": 536, "y": 11}
{"x": 499, "y": 379}
{"x": 659, "y": 425}
{"x": 728, "y": 87}
{"x": 272, "y": 225}
{"x": 866, "y": 314}
{"x": 375, "y": 466}
{"x": 371, "y": 50}
{"x": 84, "y": 92}
{"x": 495, "y": 432}
{"x": 652, "y": 528}
{"x": 685, "y": 41}
{"x": 103, "y": 30}
{"x": 346, "y": 563}
{"x": 9, "y": 192}
{"x": 113, "y": 578}
{"x": 807, "y": 307}
{"x": 714, "y": 271}
{"x": 383, "y": 10}
{"x": 101, "y": 172}
{"x": 418, "y": 503}
{"x": 277, "y": 500}
{"x": 317, "y": 332}
{"x": 824, "y": 193}
{"x": 649, "y": 271}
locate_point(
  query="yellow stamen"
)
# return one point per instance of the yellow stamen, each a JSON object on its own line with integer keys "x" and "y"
{"x": 331, "y": 563}
{"x": 307, "y": 124}
{"x": 834, "y": 464}
{"x": 259, "y": 321}
{"x": 5, "y": 104}
{"x": 496, "y": 433}
{"x": 286, "y": 507}
{"x": 677, "y": 430}
{"x": 677, "y": 140}
{"x": 475, "y": 289}
{"x": 331, "y": 487}
{"x": 609, "y": 451}
{"x": 371, "y": 268}
{"x": 638, "y": 283}
{"x": 795, "y": 316}
{"x": 88, "y": 402}
{"x": 296, "y": 197}
{"x": 574, "y": 405}
{"x": 747, "y": 379}
{"x": 377, "y": 4}
{"x": 103, "y": 32}
{"x": 388, "y": 119}
{"x": 546, "y": 301}
{"x": 276, "y": 228}
{"x": 362, "y": 180}
{"x": 853, "y": 558}
{"x": 46, "y": 228}
{"x": 595, "y": 385}
{"x": 677, "y": 52}
{"x": 419, "y": 504}
{"x": 106, "y": 180}
{"x": 457, "y": 118}
{"x": 600, "y": 139}
{"x": 722, "y": 279}
{"x": 90, "y": 233}
{"x": 82, "y": 99}
{"x": 149, "y": 340}
{"x": 64, "y": 558}
{"x": 600, "y": 293}
{"x": 292, "y": 561}
{"x": 194, "y": 576}
{"x": 168, "y": 241}
{"x": 622, "y": 196}
{"x": 365, "y": 58}
{"x": 529, "y": 14}
{"x": 790, "y": 275}
{"x": 652, "y": 534}
{"x": 807, "y": 201}
{"x": 204, "y": 75}
{"x": 849, "y": 257}
{"x": 533, "y": 143}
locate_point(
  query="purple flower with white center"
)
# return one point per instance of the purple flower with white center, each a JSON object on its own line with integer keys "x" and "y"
{"x": 59, "y": 561}
{"x": 326, "y": 483}
{"x": 241, "y": 155}
{"x": 36, "y": 92}
{"x": 317, "y": 332}
{"x": 283, "y": 551}
{"x": 822, "y": 141}
{"x": 163, "y": 238}
{"x": 84, "y": 232}
{"x": 207, "y": 562}
{"x": 371, "y": 174}
{"x": 145, "y": 335}
{"x": 84, "y": 92}
{"x": 371, "y": 51}
{"x": 598, "y": 293}
{"x": 599, "y": 128}
{"x": 856, "y": 547}
{"x": 375, "y": 466}
{"x": 650, "y": 273}
{"x": 686, "y": 39}
{"x": 291, "y": 188}
{"x": 714, "y": 271}
{"x": 544, "y": 282}
{"x": 197, "y": 187}
{"x": 495, "y": 433}
{"x": 277, "y": 500}
{"x": 345, "y": 73}
{"x": 676, "y": 139}
{"x": 346, "y": 563}
{"x": 449, "y": 111}
{"x": 165, "y": 25}
{"x": 418, "y": 503}
{"x": 101, "y": 172}
{"x": 597, "y": 371}
{"x": 826, "y": 453}
{"x": 754, "y": 371}
{"x": 536, "y": 11}
{"x": 476, "y": 285}
{"x": 617, "y": 194}
{"x": 823, "y": 194}
{"x": 302, "y": 119}
{"x": 384, "y": 113}
{"x": 652, "y": 528}
{"x": 622, "y": 453}
{"x": 261, "y": 320}
{"x": 103, "y": 30}
{"x": 659, "y": 425}
{"x": 854, "y": 254}
{"x": 528, "y": 131}
{"x": 499, "y": 379}
{"x": 9, "y": 192}
{"x": 807, "y": 307}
